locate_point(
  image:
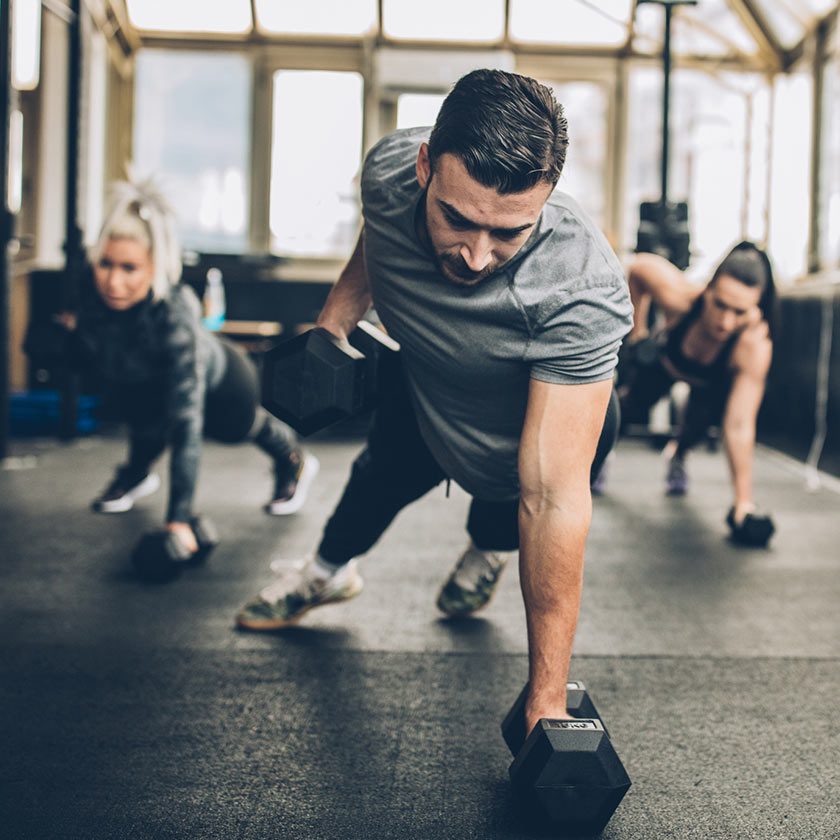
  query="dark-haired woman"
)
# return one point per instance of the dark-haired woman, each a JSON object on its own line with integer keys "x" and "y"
{"x": 719, "y": 340}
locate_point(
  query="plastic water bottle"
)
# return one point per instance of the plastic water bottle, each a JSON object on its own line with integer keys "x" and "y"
{"x": 214, "y": 300}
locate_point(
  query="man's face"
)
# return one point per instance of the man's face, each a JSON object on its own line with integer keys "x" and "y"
{"x": 729, "y": 306}
{"x": 473, "y": 229}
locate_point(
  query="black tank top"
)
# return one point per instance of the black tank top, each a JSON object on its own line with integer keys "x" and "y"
{"x": 696, "y": 372}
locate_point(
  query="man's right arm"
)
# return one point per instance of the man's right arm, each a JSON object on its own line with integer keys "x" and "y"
{"x": 350, "y": 298}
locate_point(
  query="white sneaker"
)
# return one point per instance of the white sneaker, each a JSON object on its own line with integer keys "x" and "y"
{"x": 290, "y": 496}
{"x": 120, "y": 495}
{"x": 299, "y": 588}
{"x": 473, "y": 581}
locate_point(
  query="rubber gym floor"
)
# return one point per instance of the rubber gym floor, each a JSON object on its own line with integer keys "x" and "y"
{"x": 137, "y": 711}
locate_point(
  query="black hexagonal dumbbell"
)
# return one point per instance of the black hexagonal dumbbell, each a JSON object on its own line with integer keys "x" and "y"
{"x": 315, "y": 379}
{"x": 754, "y": 531}
{"x": 566, "y": 771}
{"x": 578, "y": 704}
{"x": 161, "y": 556}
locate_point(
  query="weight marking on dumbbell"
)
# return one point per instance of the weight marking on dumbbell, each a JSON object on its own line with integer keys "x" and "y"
{"x": 572, "y": 724}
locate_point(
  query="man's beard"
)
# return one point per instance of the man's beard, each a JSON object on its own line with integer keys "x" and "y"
{"x": 456, "y": 271}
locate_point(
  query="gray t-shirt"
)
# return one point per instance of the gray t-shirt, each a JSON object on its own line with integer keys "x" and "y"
{"x": 556, "y": 312}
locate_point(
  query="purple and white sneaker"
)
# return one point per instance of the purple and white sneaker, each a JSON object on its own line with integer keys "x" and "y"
{"x": 676, "y": 479}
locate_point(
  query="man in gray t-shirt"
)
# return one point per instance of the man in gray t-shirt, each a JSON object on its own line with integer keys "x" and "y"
{"x": 509, "y": 308}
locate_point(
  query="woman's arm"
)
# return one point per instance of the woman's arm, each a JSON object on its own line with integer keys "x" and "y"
{"x": 652, "y": 279}
{"x": 751, "y": 361}
{"x": 185, "y": 378}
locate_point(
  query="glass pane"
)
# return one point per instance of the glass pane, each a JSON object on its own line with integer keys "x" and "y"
{"x": 829, "y": 220}
{"x": 644, "y": 125}
{"x": 712, "y": 164}
{"x": 192, "y": 120}
{"x": 232, "y": 16}
{"x": 757, "y": 198}
{"x": 26, "y": 44}
{"x": 418, "y": 109}
{"x": 790, "y": 196}
{"x": 317, "y": 17}
{"x": 585, "y": 105}
{"x": 791, "y": 19}
{"x": 786, "y": 27}
{"x": 93, "y": 147}
{"x": 444, "y": 20}
{"x": 570, "y": 21}
{"x": 648, "y": 29}
{"x": 710, "y": 29}
{"x": 314, "y": 179}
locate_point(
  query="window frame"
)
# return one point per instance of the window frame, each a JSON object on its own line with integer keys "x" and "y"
{"x": 356, "y": 54}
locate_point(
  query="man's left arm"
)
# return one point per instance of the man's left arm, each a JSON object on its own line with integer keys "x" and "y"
{"x": 559, "y": 438}
{"x": 752, "y": 363}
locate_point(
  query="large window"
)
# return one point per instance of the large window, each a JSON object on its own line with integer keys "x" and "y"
{"x": 192, "y": 128}
{"x": 317, "y": 17}
{"x": 718, "y": 163}
{"x": 444, "y": 20}
{"x": 418, "y": 109}
{"x": 604, "y": 23}
{"x": 790, "y": 198}
{"x": 585, "y": 106}
{"x": 232, "y": 16}
{"x": 316, "y": 153}
{"x": 94, "y": 109}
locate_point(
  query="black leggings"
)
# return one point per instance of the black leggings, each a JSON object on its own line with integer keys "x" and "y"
{"x": 651, "y": 382}
{"x": 232, "y": 414}
{"x": 397, "y": 467}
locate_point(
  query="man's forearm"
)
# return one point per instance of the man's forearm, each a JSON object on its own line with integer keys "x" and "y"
{"x": 349, "y": 299}
{"x": 551, "y": 575}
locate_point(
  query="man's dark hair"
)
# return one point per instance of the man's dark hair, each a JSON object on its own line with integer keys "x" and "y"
{"x": 750, "y": 265}
{"x": 508, "y": 130}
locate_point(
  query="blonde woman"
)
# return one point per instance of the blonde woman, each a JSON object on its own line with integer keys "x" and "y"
{"x": 171, "y": 379}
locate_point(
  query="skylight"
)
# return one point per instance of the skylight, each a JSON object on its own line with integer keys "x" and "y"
{"x": 231, "y": 17}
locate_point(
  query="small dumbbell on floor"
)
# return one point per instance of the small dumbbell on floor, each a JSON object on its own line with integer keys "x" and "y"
{"x": 754, "y": 530}
{"x": 567, "y": 771}
{"x": 161, "y": 556}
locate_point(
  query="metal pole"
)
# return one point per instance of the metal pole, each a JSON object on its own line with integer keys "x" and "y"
{"x": 666, "y": 106}
{"x": 73, "y": 244}
{"x": 6, "y": 219}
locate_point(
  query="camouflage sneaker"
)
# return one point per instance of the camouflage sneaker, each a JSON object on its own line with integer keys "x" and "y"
{"x": 297, "y": 590}
{"x": 291, "y": 484}
{"x": 676, "y": 479}
{"x": 124, "y": 490}
{"x": 473, "y": 581}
